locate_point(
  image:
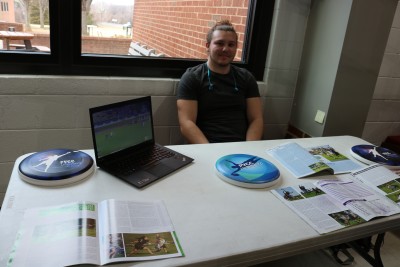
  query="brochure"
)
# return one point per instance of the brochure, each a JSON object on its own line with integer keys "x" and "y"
{"x": 110, "y": 231}
{"x": 329, "y": 205}
{"x": 302, "y": 162}
{"x": 383, "y": 180}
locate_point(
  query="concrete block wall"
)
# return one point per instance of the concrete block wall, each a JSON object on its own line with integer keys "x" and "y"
{"x": 283, "y": 61}
{"x": 384, "y": 113}
{"x": 43, "y": 112}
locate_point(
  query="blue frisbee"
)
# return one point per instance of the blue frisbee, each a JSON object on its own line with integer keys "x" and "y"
{"x": 370, "y": 154}
{"x": 247, "y": 171}
{"x": 56, "y": 167}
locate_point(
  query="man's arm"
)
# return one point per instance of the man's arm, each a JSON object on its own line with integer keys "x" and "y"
{"x": 187, "y": 114}
{"x": 255, "y": 119}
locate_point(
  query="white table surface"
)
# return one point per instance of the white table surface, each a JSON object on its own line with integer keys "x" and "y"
{"x": 217, "y": 223}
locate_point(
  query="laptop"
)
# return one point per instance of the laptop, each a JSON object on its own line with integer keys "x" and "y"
{"x": 124, "y": 145}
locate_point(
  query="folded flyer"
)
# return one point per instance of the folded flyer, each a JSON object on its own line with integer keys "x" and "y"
{"x": 348, "y": 200}
{"x": 302, "y": 162}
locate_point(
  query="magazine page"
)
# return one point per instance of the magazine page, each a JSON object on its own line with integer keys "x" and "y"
{"x": 136, "y": 231}
{"x": 58, "y": 236}
{"x": 338, "y": 162}
{"x": 298, "y": 160}
{"x": 358, "y": 198}
{"x": 382, "y": 180}
{"x": 318, "y": 209}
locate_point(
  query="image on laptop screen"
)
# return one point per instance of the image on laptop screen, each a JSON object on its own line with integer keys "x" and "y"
{"x": 122, "y": 127}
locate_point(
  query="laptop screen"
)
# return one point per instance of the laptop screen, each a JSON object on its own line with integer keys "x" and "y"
{"x": 122, "y": 125}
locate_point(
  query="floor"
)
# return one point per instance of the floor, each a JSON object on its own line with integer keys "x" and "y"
{"x": 389, "y": 253}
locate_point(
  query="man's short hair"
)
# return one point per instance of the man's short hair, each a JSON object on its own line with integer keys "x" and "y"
{"x": 223, "y": 25}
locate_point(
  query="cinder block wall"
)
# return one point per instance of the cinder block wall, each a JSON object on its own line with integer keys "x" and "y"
{"x": 384, "y": 112}
{"x": 43, "y": 112}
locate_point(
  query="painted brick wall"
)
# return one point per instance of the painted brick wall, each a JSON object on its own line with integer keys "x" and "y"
{"x": 178, "y": 28}
{"x": 384, "y": 117}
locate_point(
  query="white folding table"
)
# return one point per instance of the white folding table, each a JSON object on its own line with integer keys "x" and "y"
{"x": 217, "y": 223}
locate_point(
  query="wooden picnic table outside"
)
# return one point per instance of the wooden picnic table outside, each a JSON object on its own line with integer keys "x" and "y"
{"x": 9, "y": 35}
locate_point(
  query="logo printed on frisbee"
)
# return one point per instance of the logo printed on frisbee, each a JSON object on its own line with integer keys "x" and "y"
{"x": 239, "y": 166}
{"x": 55, "y": 162}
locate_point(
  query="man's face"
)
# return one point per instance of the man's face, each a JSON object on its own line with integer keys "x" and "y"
{"x": 222, "y": 48}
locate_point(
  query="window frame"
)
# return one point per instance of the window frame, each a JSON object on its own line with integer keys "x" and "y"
{"x": 66, "y": 58}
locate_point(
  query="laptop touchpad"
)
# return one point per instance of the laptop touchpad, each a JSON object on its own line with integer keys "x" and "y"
{"x": 160, "y": 169}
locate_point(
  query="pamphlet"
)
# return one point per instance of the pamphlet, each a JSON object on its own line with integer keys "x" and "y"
{"x": 302, "y": 162}
{"x": 95, "y": 233}
{"x": 329, "y": 205}
{"x": 383, "y": 180}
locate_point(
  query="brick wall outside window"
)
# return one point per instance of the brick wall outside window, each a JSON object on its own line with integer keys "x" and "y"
{"x": 178, "y": 28}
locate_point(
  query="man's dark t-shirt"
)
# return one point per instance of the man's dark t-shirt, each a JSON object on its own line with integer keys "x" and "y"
{"x": 221, "y": 107}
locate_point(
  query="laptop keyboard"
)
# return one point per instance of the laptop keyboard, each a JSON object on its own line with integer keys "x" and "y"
{"x": 144, "y": 159}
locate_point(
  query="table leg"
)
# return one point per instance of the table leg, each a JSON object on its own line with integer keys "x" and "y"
{"x": 375, "y": 261}
{"x": 28, "y": 44}
{"x": 7, "y": 44}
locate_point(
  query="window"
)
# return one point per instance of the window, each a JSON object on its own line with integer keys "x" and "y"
{"x": 73, "y": 36}
{"x": 4, "y": 6}
{"x": 174, "y": 29}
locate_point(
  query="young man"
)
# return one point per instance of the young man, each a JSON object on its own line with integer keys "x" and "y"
{"x": 217, "y": 101}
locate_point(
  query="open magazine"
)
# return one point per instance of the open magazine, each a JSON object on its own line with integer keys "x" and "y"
{"x": 95, "y": 233}
{"x": 302, "y": 162}
{"x": 329, "y": 205}
{"x": 383, "y": 180}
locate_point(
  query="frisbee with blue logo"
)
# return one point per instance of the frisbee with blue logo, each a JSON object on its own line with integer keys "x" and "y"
{"x": 247, "y": 171}
{"x": 370, "y": 154}
{"x": 56, "y": 167}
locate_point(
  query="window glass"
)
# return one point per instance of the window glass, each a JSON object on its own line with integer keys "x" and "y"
{"x": 159, "y": 28}
{"x": 95, "y": 37}
{"x": 24, "y": 25}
